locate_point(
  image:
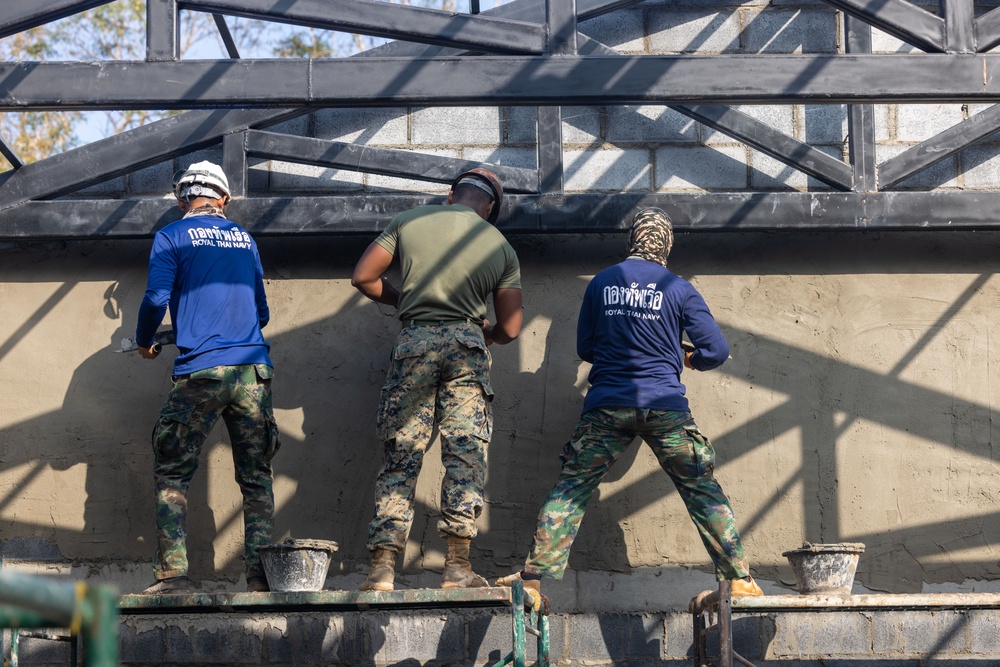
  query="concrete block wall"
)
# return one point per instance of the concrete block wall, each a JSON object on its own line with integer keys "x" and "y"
{"x": 483, "y": 637}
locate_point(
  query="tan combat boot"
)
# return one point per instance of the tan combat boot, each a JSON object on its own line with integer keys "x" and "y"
{"x": 382, "y": 575}
{"x": 457, "y": 569}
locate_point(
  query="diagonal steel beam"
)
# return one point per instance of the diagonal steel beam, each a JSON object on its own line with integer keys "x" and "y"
{"x": 393, "y": 21}
{"x": 901, "y": 19}
{"x": 740, "y": 126}
{"x": 517, "y": 80}
{"x": 939, "y": 147}
{"x": 386, "y": 161}
{"x": 126, "y": 152}
{"x": 18, "y": 15}
{"x": 780, "y": 146}
{"x": 10, "y": 154}
{"x": 987, "y": 30}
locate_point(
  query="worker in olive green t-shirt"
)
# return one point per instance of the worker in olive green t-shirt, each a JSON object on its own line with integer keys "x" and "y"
{"x": 451, "y": 259}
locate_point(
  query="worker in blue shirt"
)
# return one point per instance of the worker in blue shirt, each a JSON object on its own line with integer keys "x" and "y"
{"x": 207, "y": 271}
{"x": 630, "y": 327}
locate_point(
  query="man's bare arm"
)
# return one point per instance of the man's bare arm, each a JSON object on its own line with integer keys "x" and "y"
{"x": 507, "y": 306}
{"x": 367, "y": 277}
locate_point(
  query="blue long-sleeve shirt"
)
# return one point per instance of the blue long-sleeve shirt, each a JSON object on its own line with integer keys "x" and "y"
{"x": 630, "y": 327}
{"x": 207, "y": 270}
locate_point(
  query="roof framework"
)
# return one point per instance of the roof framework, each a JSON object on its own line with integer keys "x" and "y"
{"x": 525, "y": 53}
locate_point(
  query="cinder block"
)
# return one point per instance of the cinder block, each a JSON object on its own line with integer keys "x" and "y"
{"x": 798, "y": 635}
{"x": 371, "y": 127}
{"x": 218, "y": 644}
{"x": 674, "y": 5}
{"x": 292, "y": 177}
{"x": 769, "y": 173}
{"x": 112, "y": 187}
{"x": 703, "y": 31}
{"x": 649, "y": 124}
{"x": 983, "y": 636}
{"x": 791, "y": 31}
{"x": 885, "y": 122}
{"x": 491, "y": 637}
{"x": 156, "y": 179}
{"x": 941, "y": 175}
{"x": 455, "y": 126}
{"x": 178, "y": 647}
{"x": 299, "y": 125}
{"x": 981, "y": 166}
{"x": 678, "y": 635}
{"x": 618, "y": 637}
{"x": 608, "y": 170}
{"x": 916, "y": 122}
{"x": 303, "y": 638}
{"x": 582, "y": 125}
{"x": 621, "y": 30}
{"x": 32, "y": 650}
{"x": 716, "y": 168}
{"x": 920, "y": 633}
{"x": 883, "y": 42}
{"x": 508, "y": 157}
{"x": 140, "y": 643}
{"x": 780, "y": 118}
{"x": 823, "y": 124}
{"x": 520, "y": 125}
{"x": 437, "y": 637}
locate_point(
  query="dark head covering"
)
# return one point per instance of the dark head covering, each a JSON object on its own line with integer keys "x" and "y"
{"x": 651, "y": 236}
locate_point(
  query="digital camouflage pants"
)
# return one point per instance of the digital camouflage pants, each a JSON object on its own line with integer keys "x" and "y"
{"x": 241, "y": 395}
{"x": 439, "y": 377}
{"x": 684, "y": 454}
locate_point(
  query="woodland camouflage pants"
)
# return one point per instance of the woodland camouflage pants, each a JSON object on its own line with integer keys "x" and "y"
{"x": 687, "y": 456}
{"x": 439, "y": 377}
{"x": 241, "y": 395}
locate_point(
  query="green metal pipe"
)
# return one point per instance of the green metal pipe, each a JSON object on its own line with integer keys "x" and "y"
{"x": 15, "y": 617}
{"x": 54, "y": 599}
{"x": 101, "y": 633}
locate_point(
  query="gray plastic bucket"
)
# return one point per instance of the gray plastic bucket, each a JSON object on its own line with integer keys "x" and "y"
{"x": 297, "y": 565}
{"x": 825, "y": 568}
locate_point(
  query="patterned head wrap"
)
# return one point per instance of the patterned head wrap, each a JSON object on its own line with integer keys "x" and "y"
{"x": 651, "y": 236}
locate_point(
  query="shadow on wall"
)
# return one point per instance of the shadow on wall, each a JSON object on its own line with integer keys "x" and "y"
{"x": 330, "y": 368}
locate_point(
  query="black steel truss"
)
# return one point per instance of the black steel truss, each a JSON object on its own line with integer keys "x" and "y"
{"x": 525, "y": 53}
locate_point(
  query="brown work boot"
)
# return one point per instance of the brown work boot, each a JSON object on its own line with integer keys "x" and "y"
{"x": 382, "y": 575}
{"x": 532, "y": 587}
{"x": 457, "y": 569}
{"x": 257, "y": 585}
{"x": 746, "y": 587}
{"x": 169, "y": 585}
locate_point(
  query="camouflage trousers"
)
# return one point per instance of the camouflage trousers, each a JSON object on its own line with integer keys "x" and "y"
{"x": 241, "y": 395}
{"x": 687, "y": 456}
{"x": 439, "y": 378}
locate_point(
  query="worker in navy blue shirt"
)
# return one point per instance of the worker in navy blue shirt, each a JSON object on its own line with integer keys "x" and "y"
{"x": 630, "y": 327}
{"x": 207, "y": 271}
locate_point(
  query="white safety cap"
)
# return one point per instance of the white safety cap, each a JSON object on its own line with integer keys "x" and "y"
{"x": 201, "y": 179}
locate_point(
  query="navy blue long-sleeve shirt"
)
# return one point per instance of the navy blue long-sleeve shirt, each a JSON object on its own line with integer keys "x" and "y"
{"x": 207, "y": 270}
{"x": 630, "y": 327}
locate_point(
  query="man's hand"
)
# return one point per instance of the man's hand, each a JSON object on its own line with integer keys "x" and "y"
{"x": 687, "y": 360}
{"x": 151, "y": 352}
{"x": 487, "y": 332}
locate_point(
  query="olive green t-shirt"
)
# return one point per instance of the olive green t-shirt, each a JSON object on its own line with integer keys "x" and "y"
{"x": 451, "y": 261}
